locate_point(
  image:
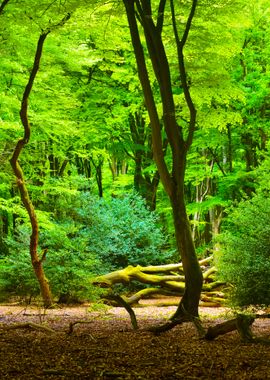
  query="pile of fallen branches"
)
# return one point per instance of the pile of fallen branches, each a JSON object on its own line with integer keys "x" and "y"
{"x": 166, "y": 280}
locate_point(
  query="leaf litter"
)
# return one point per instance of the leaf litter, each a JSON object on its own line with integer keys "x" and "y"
{"x": 106, "y": 347}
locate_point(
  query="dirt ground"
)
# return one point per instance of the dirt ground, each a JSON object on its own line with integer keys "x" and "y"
{"x": 108, "y": 348}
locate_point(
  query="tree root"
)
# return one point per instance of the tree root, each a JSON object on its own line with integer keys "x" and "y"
{"x": 183, "y": 317}
{"x": 242, "y": 323}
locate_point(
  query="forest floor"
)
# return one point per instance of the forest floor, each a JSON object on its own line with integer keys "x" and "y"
{"x": 108, "y": 348}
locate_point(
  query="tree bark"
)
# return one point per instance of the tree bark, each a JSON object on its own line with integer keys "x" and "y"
{"x": 193, "y": 275}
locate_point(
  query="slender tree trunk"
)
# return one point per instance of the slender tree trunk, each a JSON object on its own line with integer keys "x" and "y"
{"x": 98, "y": 167}
{"x": 36, "y": 261}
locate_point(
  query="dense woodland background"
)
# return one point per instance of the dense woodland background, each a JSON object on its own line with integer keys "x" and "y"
{"x": 89, "y": 165}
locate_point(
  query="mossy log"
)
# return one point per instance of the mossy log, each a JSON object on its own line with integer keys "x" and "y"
{"x": 165, "y": 279}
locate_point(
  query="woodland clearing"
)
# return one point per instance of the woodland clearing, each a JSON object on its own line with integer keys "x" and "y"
{"x": 108, "y": 348}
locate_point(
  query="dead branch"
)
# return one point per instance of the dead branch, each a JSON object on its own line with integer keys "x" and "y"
{"x": 27, "y": 325}
{"x": 242, "y": 323}
{"x": 128, "y": 308}
{"x": 72, "y": 324}
{"x": 166, "y": 279}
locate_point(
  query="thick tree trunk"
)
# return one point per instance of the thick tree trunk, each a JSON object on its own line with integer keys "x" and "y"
{"x": 193, "y": 274}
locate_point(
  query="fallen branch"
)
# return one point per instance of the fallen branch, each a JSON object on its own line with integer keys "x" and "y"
{"x": 72, "y": 324}
{"x": 242, "y": 323}
{"x": 27, "y": 325}
{"x": 165, "y": 279}
{"x": 128, "y": 308}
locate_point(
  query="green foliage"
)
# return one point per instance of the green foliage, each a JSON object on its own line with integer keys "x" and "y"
{"x": 90, "y": 236}
{"x": 80, "y": 110}
{"x": 122, "y": 231}
{"x": 67, "y": 267}
{"x": 245, "y": 258}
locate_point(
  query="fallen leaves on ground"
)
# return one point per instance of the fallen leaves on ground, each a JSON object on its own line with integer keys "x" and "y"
{"x": 108, "y": 347}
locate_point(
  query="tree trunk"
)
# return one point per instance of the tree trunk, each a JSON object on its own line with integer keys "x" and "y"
{"x": 193, "y": 275}
{"x": 98, "y": 167}
{"x": 173, "y": 181}
{"x": 36, "y": 261}
{"x": 171, "y": 178}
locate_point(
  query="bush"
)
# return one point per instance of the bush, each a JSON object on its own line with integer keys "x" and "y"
{"x": 92, "y": 237}
{"x": 245, "y": 258}
{"x": 122, "y": 232}
{"x": 66, "y": 266}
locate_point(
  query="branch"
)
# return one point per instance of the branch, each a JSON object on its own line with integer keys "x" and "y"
{"x": 161, "y": 68}
{"x": 242, "y": 323}
{"x": 27, "y": 325}
{"x": 72, "y": 324}
{"x": 128, "y": 308}
{"x": 2, "y": 6}
{"x": 217, "y": 161}
{"x": 149, "y": 97}
{"x": 28, "y": 87}
{"x": 43, "y": 256}
{"x": 189, "y": 22}
{"x": 160, "y": 19}
{"x": 182, "y": 69}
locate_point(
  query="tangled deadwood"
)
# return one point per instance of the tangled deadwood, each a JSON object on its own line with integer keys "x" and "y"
{"x": 163, "y": 280}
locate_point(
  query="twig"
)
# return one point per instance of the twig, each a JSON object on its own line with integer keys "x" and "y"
{"x": 72, "y": 324}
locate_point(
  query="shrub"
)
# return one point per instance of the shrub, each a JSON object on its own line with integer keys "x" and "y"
{"x": 122, "y": 232}
{"x": 245, "y": 258}
{"x": 93, "y": 237}
{"x": 67, "y": 267}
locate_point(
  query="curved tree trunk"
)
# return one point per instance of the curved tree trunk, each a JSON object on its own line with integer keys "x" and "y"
{"x": 14, "y": 161}
{"x": 36, "y": 261}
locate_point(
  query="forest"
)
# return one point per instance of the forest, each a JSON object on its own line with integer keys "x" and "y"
{"x": 134, "y": 161}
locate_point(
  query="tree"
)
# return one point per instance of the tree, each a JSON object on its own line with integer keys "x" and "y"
{"x": 37, "y": 261}
{"x": 141, "y": 11}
